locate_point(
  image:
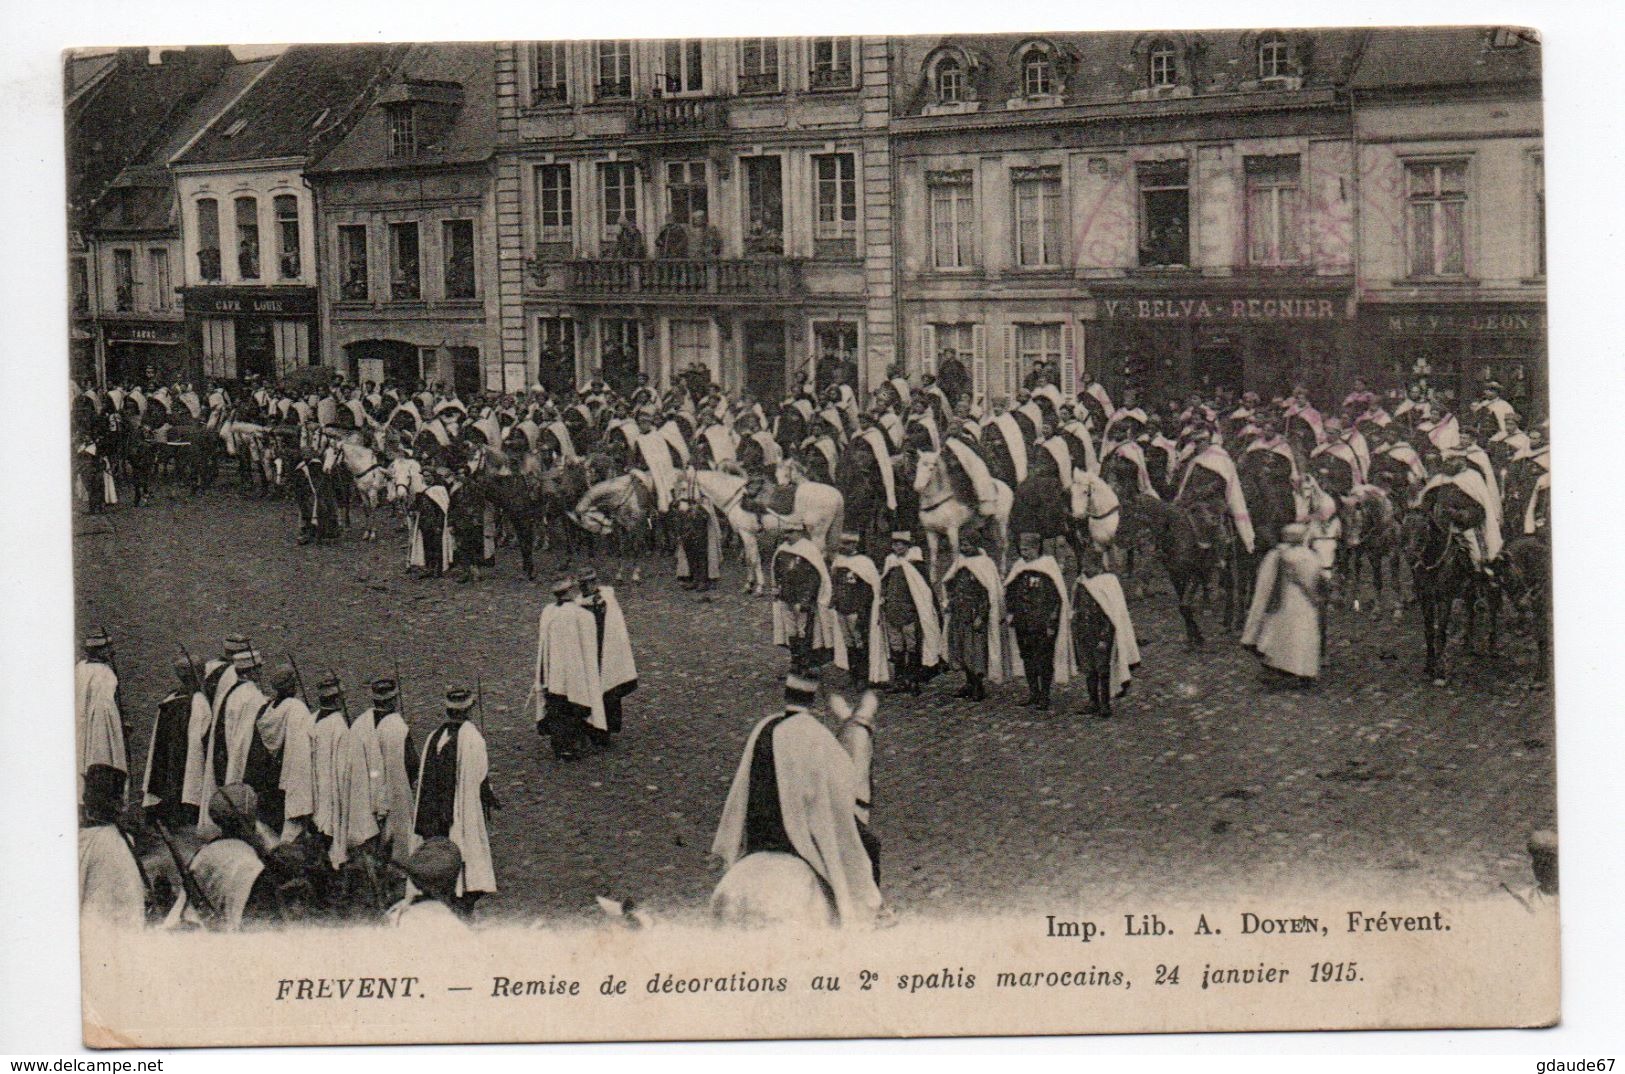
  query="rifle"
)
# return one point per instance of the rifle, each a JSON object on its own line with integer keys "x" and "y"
{"x": 194, "y": 892}
{"x": 197, "y": 672}
{"x": 304, "y": 695}
{"x": 400, "y": 692}
{"x": 479, "y": 702}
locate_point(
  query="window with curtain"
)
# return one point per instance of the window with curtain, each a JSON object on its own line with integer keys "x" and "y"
{"x": 248, "y": 238}
{"x": 123, "y": 281}
{"x": 286, "y": 207}
{"x": 614, "y": 63}
{"x": 685, "y": 68}
{"x": 835, "y": 228}
{"x": 1437, "y": 204}
{"x": 1038, "y": 216}
{"x": 759, "y": 65}
{"x": 618, "y": 189}
{"x": 548, "y": 72}
{"x": 953, "y": 220}
{"x": 208, "y": 239}
{"x": 163, "y": 290}
{"x": 353, "y": 262}
{"x": 405, "y": 275}
{"x": 457, "y": 254}
{"x": 1273, "y": 201}
{"x": 830, "y": 65}
{"x": 555, "y": 204}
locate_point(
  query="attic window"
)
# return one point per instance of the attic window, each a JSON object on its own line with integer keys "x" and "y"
{"x": 1037, "y": 72}
{"x": 1274, "y": 58}
{"x": 403, "y": 130}
{"x": 236, "y": 128}
{"x": 1162, "y": 61}
{"x": 950, "y": 81}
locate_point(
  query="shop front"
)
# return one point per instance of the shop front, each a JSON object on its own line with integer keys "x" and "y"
{"x": 1166, "y": 341}
{"x": 146, "y": 352}
{"x": 239, "y": 332}
{"x": 1459, "y": 347}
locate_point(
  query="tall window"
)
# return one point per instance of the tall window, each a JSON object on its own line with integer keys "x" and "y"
{"x": 614, "y": 63}
{"x": 405, "y": 277}
{"x": 555, "y": 204}
{"x": 208, "y": 239}
{"x": 1037, "y": 73}
{"x": 835, "y": 228}
{"x": 1038, "y": 216}
{"x": 831, "y": 64}
{"x": 403, "y": 130}
{"x": 953, "y": 223}
{"x": 353, "y": 262}
{"x": 1273, "y": 198}
{"x": 163, "y": 291}
{"x": 950, "y": 81}
{"x": 1538, "y": 163}
{"x": 248, "y": 238}
{"x": 618, "y": 187}
{"x": 685, "y": 190}
{"x": 759, "y": 65}
{"x": 287, "y": 236}
{"x": 685, "y": 71}
{"x": 1165, "y": 212}
{"x": 548, "y": 72}
{"x": 691, "y": 345}
{"x": 123, "y": 281}
{"x": 457, "y": 255}
{"x": 556, "y": 366}
{"x": 1162, "y": 64}
{"x": 1034, "y": 342}
{"x": 1274, "y": 57}
{"x": 958, "y": 340}
{"x": 764, "y": 205}
{"x": 1438, "y": 205}
{"x": 79, "y": 281}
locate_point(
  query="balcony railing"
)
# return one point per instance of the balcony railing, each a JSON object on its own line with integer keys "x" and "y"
{"x": 742, "y": 277}
{"x": 680, "y": 115}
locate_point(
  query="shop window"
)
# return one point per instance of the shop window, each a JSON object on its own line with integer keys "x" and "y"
{"x": 614, "y": 62}
{"x": 353, "y": 262}
{"x": 685, "y": 68}
{"x": 1165, "y": 211}
{"x": 220, "y": 349}
{"x": 835, "y": 228}
{"x": 1273, "y": 201}
{"x": 123, "y": 281}
{"x": 248, "y": 238}
{"x": 759, "y": 65}
{"x": 163, "y": 289}
{"x": 1437, "y": 196}
{"x": 1038, "y": 216}
{"x": 831, "y": 65}
{"x": 1037, "y": 73}
{"x": 457, "y": 252}
{"x": 555, "y": 206}
{"x": 548, "y": 72}
{"x": 953, "y": 221}
{"x": 208, "y": 240}
{"x": 686, "y": 194}
{"x": 764, "y": 206}
{"x": 618, "y": 186}
{"x": 1162, "y": 64}
{"x": 286, "y": 207}
{"x": 405, "y": 275}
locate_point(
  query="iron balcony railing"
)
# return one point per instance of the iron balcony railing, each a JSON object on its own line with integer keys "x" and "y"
{"x": 742, "y": 277}
{"x": 680, "y": 115}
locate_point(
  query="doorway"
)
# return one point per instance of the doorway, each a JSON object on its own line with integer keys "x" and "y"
{"x": 256, "y": 351}
{"x": 383, "y": 361}
{"x": 1218, "y": 365}
{"x": 764, "y": 360}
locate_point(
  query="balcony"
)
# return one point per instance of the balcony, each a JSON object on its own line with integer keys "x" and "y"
{"x": 680, "y": 116}
{"x": 740, "y": 278}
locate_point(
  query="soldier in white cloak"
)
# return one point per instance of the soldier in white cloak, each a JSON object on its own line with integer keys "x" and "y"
{"x": 399, "y": 756}
{"x": 112, "y": 888}
{"x": 569, "y": 695}
{"x": 617, "y": 669}
{"x": 296, "y": 777}
{"x": 100, "y": 723}
{"x": 454, "y": 797}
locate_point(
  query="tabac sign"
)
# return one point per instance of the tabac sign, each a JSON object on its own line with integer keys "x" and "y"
{"x": 1225, "y": 308}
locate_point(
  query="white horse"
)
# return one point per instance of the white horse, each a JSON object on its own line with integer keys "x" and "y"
{"x": 817, "y": 507}
{"x": 1095, "y": 502}
{"x": 944, "y": 514}
{"x": 370, "y": 474}
{"x": 618, "y": 508}
{"x": 726, "y": 491}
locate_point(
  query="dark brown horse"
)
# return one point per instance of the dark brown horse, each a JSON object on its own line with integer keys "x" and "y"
{"x": 1193, "y": 543}
{"x": 1266, "y": 482}
{"x": 1442, "y": 569}
{"x": 1525, "y": 569}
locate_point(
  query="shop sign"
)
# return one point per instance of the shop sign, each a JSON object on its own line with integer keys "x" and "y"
{"x": 296, "y": 303}
{"x": 144, "y": 333}
{"x": 1504, "y": 322}
{"x": 1224, "y": 309}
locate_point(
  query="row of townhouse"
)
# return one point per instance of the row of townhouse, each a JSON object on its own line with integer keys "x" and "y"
{"x": 1162, "y": 211}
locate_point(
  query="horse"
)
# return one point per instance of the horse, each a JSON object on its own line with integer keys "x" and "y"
{"x": 369, "y": 476}
{"x": 561, "y": 485}
{"x": 1442, "y": 569}
{"x": 863, "y": 488}
{"x": 1193, "y": 541}
{"x": 619, "y": 507}
{"x": 515, "y": 498}
{"x": 815, "y": 506}
{"x": 1204, "y": 498}
{"x": 1526, "y": 577}
{"x": 943, "y": 513}
{"x": 728, "y": 494}
{"x": 1042, "y": 504}
{"x": 1095, "y": 505}
{"x": 1266, "y": 484}
{"x": 1371, "y": 532}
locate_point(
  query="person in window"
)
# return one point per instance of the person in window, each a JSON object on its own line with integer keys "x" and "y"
{"x": 248, "y": 258}
{"x": 629, "y": 240}
{"x": 672, "y": 242}
{"x": 763, "y": 241}
{"x": 706, "y": 240}
{"x": 952, "y": 375}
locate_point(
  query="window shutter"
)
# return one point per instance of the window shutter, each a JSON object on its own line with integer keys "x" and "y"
{"x": 928, "y": 348}
{"x": 1012, "y": 371}
{"x": 1069, "y": 361}
{"x": 978, "y": 343}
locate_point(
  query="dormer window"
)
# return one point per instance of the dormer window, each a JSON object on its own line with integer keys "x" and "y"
{"x": 950, "y": 81}
{"x": 403, "y": 130}
{"x": 1162, "y": 63}
{"x": 1275, "y": 58}
{"x": 1037, "y": 73}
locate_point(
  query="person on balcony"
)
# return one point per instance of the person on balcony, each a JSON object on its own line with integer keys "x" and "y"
{"x": 706, "y": 240}
{"x": 629, "y": 241}
{"x": 763, "y": 241}
{"x": 672, "y": 242}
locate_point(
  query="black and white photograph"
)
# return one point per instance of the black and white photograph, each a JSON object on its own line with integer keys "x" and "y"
{"x": 834, "y": 492}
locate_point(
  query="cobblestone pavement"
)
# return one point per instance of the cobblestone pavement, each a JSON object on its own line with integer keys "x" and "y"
{"x": 1206, "y": 780}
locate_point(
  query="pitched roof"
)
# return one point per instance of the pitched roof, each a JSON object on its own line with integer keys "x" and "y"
{"x": 1398, "y": 59}
{"x": 300, "y": 107}
{"x": 1112, "y": 66}
{"x": 472, "y": 133}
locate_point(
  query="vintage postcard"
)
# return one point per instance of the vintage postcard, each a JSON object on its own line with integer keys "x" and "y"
{"x": 838, "y": 536}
